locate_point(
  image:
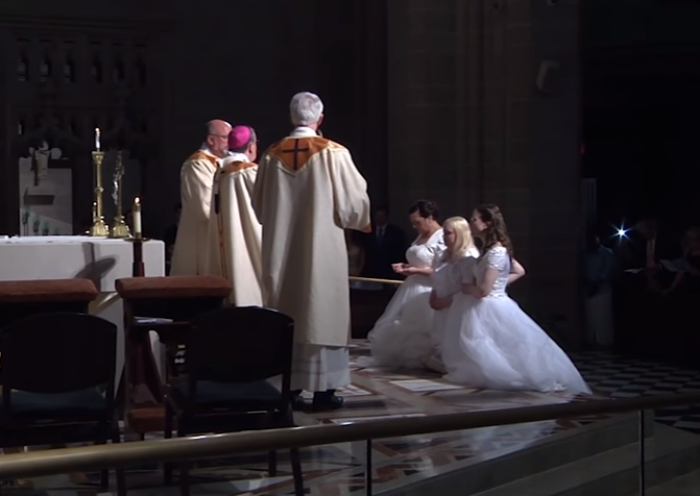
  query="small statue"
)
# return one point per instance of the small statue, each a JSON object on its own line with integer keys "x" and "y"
{"x": 117, "y": 179}
{"x": 25, "y": 221}
{"x": 36, "y": 225}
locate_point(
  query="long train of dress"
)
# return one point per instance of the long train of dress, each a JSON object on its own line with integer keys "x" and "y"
{"x": 491, "y": 343}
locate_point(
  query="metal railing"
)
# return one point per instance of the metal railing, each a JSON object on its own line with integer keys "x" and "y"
{"x": 66, "y": 460}
{"x": 375, "y": 280}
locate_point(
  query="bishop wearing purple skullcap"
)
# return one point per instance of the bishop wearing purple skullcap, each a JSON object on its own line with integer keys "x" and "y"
{"x": 234, "y": 223}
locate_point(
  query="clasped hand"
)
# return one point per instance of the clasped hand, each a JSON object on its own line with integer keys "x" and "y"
{"x": 403, "y": 269}
{"x": 469, "y": 289}
{"x": 439, "y": 303}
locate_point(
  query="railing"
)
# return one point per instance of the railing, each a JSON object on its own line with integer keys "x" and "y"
{"x": 40, "y": 463}
{"x": 394, "y": 282}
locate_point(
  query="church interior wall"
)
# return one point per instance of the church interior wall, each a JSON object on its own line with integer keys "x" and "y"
{"x": 444, "y": 105}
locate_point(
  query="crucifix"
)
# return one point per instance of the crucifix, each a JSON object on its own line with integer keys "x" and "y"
{"x": 296, "y": 151}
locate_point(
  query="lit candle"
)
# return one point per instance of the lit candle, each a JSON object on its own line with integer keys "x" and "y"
{"x": 97, "y": 139}
{"x": 94, "y": 211}
{"x": 137, "y": 217}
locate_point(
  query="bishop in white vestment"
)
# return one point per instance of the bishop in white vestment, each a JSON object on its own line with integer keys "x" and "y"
{"x": 191, "y": 250}
{"x": 235, "y": 235}
{"x": 307, "y": 192}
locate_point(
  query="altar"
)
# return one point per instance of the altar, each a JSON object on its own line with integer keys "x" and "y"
{"x": 103, "y": 260}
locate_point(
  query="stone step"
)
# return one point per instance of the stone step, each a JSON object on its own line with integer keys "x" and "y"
{"x": 686, "y": 485}
{"x": 510, "y": 465}
{"x": 670, "y": 453}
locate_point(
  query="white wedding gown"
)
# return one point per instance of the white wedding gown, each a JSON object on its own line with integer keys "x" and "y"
{"x": 491, "y": 343}
{"x": 401, "y": 337}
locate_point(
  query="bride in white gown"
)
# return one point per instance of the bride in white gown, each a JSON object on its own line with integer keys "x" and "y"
{"x": 392, "y": 340}
{"x": 489, "y": 342}
{"x": 459, "y": 257}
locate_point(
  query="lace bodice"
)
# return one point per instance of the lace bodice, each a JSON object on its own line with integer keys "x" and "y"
{"x": 496, "y": 258}
{"x": 424, "y": 255}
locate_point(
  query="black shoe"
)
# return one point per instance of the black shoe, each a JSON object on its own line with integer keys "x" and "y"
{"x": 326, "y": 401}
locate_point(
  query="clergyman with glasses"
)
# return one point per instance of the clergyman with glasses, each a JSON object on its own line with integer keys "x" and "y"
{"x": 191, "y": 251}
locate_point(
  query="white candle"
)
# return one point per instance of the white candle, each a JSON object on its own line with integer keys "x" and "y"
{"x": 97, "y": 139}
{"x": 137, "y": 217}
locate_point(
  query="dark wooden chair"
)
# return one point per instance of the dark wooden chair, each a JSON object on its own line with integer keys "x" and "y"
{"x": 57, "y": 380}
{"x": 231, "y": 353}
{"x": 22, "y": 299}
{"x": 165, "y": 305}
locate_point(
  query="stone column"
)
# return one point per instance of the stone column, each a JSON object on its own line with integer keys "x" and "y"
{"x": 556, "y": 228}
{"x": 424, "y": 119}
{"x": 468, "y": 124}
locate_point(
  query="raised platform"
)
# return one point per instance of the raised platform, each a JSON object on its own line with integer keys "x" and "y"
{"x": 492, "y": 461}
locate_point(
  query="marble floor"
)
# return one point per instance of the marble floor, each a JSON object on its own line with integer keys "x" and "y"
{"x": 341, "y": 469}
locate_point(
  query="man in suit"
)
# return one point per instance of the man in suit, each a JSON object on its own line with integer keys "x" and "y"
{"x": 386, "y": 245}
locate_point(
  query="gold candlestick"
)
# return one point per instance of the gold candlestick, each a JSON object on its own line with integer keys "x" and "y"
{"x": 119, "y": 228}
{"x": 99, "y": 228}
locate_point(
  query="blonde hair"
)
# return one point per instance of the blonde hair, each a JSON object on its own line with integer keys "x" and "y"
{"x": 463, "y": 238}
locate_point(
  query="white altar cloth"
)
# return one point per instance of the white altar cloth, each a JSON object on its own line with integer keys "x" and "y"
{"x": 104, "y": 260}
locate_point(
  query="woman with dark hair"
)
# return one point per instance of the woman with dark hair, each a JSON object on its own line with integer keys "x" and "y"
{"x": 489, "y": 341}
{"x": 409, "y": 308}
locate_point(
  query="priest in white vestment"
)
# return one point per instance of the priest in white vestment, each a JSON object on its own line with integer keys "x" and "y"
{"x": 191, "y": 250}
{"x": 307, "y": 192}
{"x": 235, "y": 235}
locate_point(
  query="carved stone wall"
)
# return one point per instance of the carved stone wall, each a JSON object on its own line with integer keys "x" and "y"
{"x": 67, "y": 77}
{"x": 240, "y": 61}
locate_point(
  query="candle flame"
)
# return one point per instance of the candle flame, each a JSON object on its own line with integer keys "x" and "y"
{"x": 137, "y": 201}
{"x": 97, "y": 131}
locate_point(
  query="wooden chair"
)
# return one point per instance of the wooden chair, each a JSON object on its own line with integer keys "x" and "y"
{"x": 58, "y": 383}
{"x": 21, "y": 299}
{"x": 231, "y": 353}
{"x": 175, "y": 301}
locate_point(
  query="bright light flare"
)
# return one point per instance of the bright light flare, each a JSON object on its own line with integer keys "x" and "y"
{"x": 621, "y": 232}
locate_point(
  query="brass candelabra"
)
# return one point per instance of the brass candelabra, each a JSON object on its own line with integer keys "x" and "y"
{"x": 119, "y": 229}
{"x": 99, "y": 228}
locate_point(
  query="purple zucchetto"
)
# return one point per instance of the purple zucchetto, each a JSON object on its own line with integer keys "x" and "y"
{"x": 239, "y": 137}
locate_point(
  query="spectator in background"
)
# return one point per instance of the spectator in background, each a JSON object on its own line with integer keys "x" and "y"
{"x": 687, "y": 279}
{"x": 385, "y": 246}
{"x": 643, "y": 251}
{"x": 356, "y": 259}
{"x": 599, "y": 271}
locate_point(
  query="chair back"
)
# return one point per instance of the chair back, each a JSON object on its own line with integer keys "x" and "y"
{"x": 240, "y": 344}
{"x": 58, "y": 353}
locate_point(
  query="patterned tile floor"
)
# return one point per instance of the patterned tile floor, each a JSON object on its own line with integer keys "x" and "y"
{"x": 340, "y": 469}
{"x": 626, "y": 376}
